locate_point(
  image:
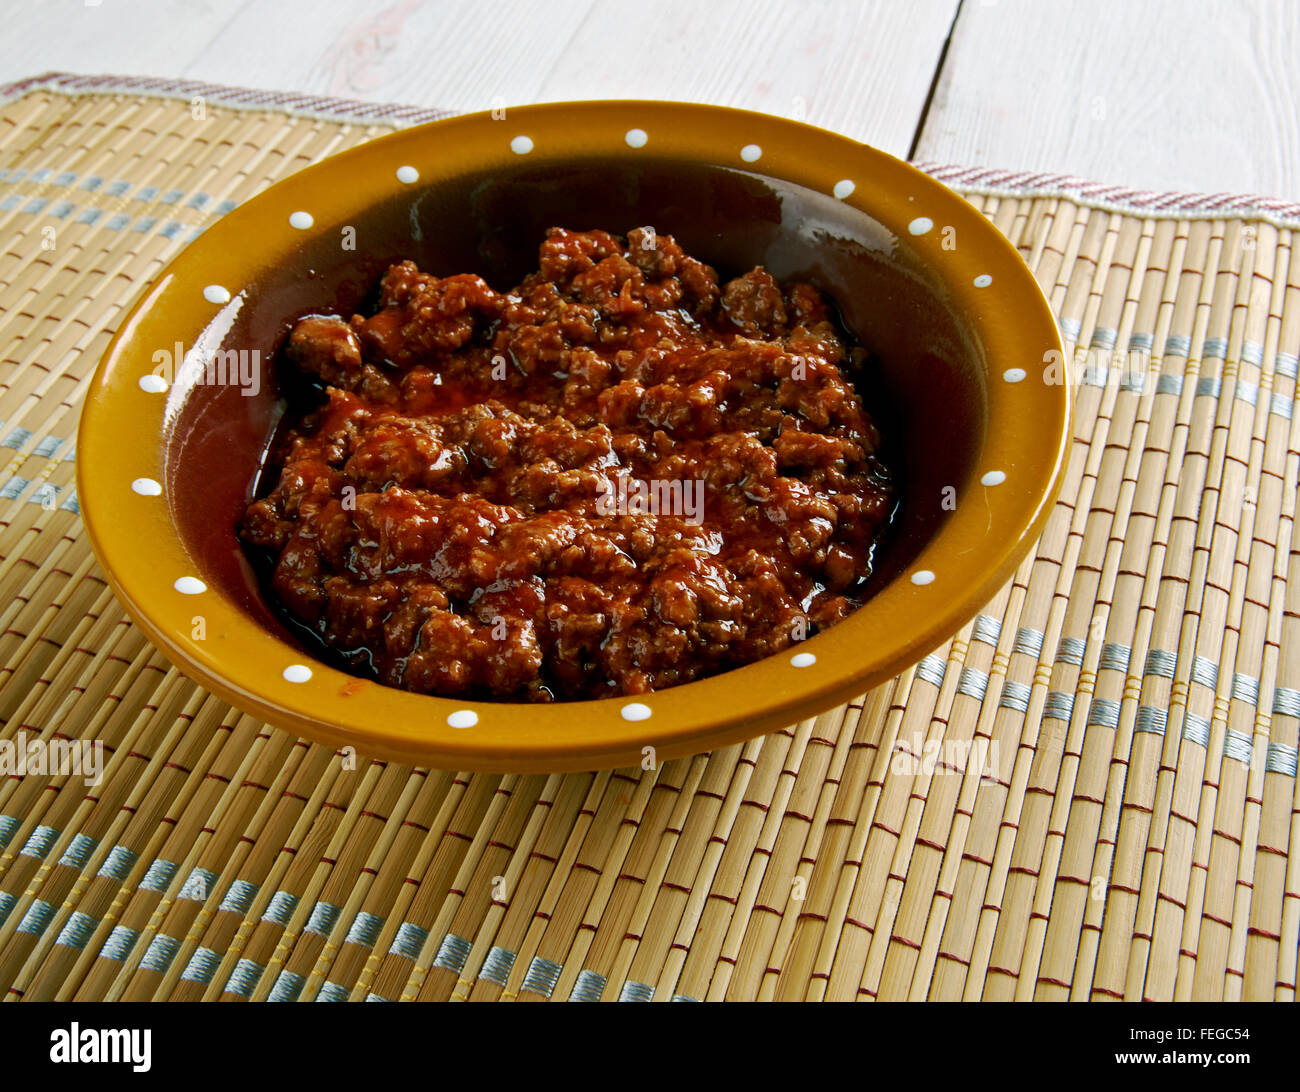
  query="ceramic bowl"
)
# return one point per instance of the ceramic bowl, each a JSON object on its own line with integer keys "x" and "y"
{"x": 169, "y": 452}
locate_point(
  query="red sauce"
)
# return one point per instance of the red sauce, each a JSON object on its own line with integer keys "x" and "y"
{"x": 615, "y": 478}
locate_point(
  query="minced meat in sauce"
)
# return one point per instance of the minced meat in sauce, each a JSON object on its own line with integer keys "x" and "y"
{"x": 615, "y": 478}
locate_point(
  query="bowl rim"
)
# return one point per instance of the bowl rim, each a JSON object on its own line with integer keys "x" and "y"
{"x": 970, "y": 557}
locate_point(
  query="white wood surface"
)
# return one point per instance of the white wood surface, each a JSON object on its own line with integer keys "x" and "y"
{"x": 1164, "y": 94}
{"x": 146, "y": 38}
{"x": 862, "y": 68}
{"x": 1194, "y": 95}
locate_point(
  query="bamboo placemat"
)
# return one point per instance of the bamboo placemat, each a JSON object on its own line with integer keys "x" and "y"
{"x": 1134, "y": 689}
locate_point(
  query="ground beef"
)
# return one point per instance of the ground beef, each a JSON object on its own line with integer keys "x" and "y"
{"x": 614, "y": 478}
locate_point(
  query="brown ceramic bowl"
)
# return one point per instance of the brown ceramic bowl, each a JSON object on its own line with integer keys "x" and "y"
{"x": 167, "y": 459}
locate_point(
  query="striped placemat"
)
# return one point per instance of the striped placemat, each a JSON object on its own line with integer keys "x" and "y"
{"x": 1090, "y": 792}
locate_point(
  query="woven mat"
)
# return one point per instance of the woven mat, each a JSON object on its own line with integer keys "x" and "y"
{"x": 1090, "y": 792}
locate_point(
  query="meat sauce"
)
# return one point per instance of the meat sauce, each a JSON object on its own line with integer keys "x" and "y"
{"x": 614, "y": 478}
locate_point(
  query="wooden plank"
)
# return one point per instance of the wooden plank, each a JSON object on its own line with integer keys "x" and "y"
{"x": 445, "y": 53}
{"x": 861, "y": 69}
{"x": 864, "y": 69}
{"x": 139, "y": 38}
{"x": 1197, "y": 95}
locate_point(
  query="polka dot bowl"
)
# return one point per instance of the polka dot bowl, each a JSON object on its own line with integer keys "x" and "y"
{"x": 170, "y": 446}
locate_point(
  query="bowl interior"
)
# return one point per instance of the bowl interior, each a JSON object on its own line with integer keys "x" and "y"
{"x": 927, "y": 388}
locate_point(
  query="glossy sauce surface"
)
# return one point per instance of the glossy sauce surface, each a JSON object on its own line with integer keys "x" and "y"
{"x": 618, "y": 476}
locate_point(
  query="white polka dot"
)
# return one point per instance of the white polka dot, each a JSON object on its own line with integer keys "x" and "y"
{"x": 190, "y": 585}
{"x": 301, "y": 220}
{"x": 636, "y": 138}
{"x": 993, "y": 477}
{"x": 154, "y": 384}
{"x": 1014, "y": 375}
{"x": 983, "y": 280}
{"x": 462, "y": 718}
{"x": 297, "y": 673}
{"x": 750, "y": 153}
{"x": 636, "y": 711}
{"x": 407, "y": 175}
{"x": 843, "y": 188}
{"x": 521, "y": 145}
{"x": 923, "y": 576}
{"x": 146, "y": 487}
{"x": 214, "y": 293}
{"x": 920, "y": 225}
{"x": 803, "y": 659}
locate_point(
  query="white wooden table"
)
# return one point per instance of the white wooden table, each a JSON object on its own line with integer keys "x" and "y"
{"x": 1162, "y": 94}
